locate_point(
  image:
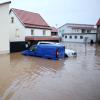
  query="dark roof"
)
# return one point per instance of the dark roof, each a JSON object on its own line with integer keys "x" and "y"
{"x": 54, "y": 29}
{"x": 98, "y": 23}
{"x": 79, "y": 26}
{"x": 30, "y": 19}
{"x": 5, "y": 3}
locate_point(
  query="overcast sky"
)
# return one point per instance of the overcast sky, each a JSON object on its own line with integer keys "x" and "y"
{"x": 62, "y": 11}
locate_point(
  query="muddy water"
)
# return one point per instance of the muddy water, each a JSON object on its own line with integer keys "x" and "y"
{"x": 30, "y": 78}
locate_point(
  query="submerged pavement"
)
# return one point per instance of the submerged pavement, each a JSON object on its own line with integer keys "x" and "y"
{"x": 32, "y": 78}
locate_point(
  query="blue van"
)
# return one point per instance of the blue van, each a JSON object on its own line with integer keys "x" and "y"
{"x": 52, "y": 51}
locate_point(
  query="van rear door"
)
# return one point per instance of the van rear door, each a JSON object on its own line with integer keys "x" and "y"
{"x": 60, "y": 52}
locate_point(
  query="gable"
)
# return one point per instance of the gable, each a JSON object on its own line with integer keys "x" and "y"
{"x": 30, "y": 19}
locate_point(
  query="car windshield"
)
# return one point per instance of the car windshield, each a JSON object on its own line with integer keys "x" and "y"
{"x": 33, "y": 48}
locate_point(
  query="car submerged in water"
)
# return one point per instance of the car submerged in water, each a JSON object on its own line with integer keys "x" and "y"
{"x": 52, "y": 51}
{"x": 49, "y": 50}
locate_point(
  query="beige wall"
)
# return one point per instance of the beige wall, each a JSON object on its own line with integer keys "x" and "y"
{"x": 4, "y": 28}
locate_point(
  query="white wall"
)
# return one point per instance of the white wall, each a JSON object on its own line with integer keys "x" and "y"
{"x": 90, "y": 37}
{"x": 37, "y": 32}
{"x": 17, "y": 30}
{"x": 73, "y": 38}
{"x": 4, "y": 28}
{"x": 67, "y": 29}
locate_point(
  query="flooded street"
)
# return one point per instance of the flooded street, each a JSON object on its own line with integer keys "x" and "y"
{"x": 32, "y": 78}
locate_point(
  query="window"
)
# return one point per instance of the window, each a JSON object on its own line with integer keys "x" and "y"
{"x": 83, "y": 30}
{"x": 62, "y": 35}
{"x": 70, "y": 37}
{"x": 33, "y": 48}
{"x": 12, "y": 19}
{"x": 54, "y": 33}
{"x": 75, "y": 37}
{"x": 44, "y": 32}
{"x": 17, "y": 33}
{"x": 81, "y": 37}
{"x": 32, "y": 31}
{"x": 88, "y": 31}
{"x": 77, "y": 30}
{"x": 66, "y": 37}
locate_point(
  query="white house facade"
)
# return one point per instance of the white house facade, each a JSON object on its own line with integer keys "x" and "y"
{"x": 4, "y": 27}
{"x": 19, "y": 31}
{"x": 77, "y": 33}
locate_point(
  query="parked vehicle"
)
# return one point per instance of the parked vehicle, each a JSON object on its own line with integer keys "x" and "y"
{"x": 70, "y": 53}
{"x": 46, "y": 51}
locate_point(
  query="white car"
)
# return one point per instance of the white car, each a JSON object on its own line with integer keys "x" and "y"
{"x": 68, "y": 52}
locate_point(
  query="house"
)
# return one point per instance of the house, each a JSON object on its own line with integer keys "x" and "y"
{"x": 54, "y": 31}
{"x": 27, "y": 28}
{"x": 98, "y": 31}
{"x": 77, "y": 32}
{"x": 4, "y": 27}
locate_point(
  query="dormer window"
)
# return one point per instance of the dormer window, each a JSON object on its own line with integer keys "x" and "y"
{"x": 12, "y": 20}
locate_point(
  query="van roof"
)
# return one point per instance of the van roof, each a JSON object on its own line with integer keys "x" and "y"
{"x": 50, "y": 45}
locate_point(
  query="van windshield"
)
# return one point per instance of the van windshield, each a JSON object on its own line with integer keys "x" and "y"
{"x": 44, "y": 43}
{"x": 33, "y": 48}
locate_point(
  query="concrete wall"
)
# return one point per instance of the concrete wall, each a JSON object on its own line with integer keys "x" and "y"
{"x": 73, "y": 38}
{"x": 4, "y": 28}
{"x": 78, "y": 39}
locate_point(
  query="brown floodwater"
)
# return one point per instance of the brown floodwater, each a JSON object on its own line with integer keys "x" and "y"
{"x": 32, "y": 78}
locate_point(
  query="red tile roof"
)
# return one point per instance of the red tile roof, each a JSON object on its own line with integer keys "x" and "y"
{"x": 98, "y": 23}
{"x": 54, "y": 29}
{"x": 30, "y": 19}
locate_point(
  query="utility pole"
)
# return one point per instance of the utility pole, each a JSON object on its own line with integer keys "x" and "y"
{"x": 85, "y": 42}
